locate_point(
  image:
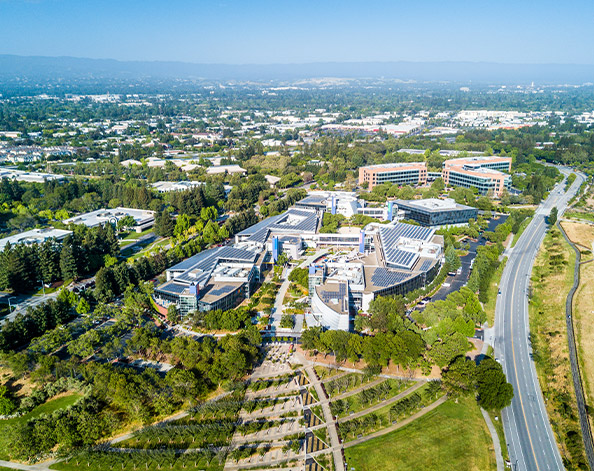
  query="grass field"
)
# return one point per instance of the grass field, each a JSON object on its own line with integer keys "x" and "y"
{"x": 583, "y": 306}
{"x": 492, "y": 293}
{"x": 579, "y": 215}
{"x": 450, "y": 437}
{"x": 46, "y": 408}
{"x": 523, "y": 227}
{"x": 137, "y": 461}
{"x": 357, "y": 402}
{"x": 552, "y": 277}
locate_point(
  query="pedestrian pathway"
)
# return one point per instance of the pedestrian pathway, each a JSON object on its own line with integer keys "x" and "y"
{"x": 382, "y": 403}
{"x": 495, "y": 438}
{"x": 391, "y": 428}
{"x": 329, "y": 419}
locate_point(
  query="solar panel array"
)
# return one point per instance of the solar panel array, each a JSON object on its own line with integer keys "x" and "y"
{"x": 262, "y": 224}
{"x": 400, "y": 258}
{"x": 194, "y": 260}
{"x": 260, "y": 236}
{"x": 235, "y": 254}
{"x": 384, "y": 278}
{"x": 172, "y": 288}
{"x": 391, "y": 234}
{"x": 426, "y": 265}
{"x": 328, "y": 295}
{"x": 222, "y": 290}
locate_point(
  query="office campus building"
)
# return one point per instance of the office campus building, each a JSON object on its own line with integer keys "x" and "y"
{"x": 484, "y": 173}
{"x": 382, "y": 259}
{"x": 433, "y": 212}
{"x": 218, "y": 278}
{"x": 346, "y": 204}
{"x": 398, "y": 259}
{"x": 404, "y": 173}
{"x": 34, "y": 236}
{"x": 144, "y": 219}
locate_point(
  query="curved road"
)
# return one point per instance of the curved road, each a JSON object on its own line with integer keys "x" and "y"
{"x": 530, "y": 439}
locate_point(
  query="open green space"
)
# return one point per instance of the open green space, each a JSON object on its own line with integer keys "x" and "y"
{"x": 453, "y": 436}
{"x": 153, "y": 460}
{"x": 579, "y": 215}
{"x": 492, "y": 293}
{"x": 523, "y": 227}
{"x": 390, "y": 413}
{"x": 346, "y": 383}
{"x": 136, "y": 235}
{"x": 369, "y": 397}
{"x": 46, "y": 408}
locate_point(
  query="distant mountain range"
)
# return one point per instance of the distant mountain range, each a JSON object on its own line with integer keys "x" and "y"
{"x": 66, "y": 68}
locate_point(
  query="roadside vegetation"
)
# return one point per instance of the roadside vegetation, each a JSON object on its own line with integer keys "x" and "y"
{"x": 552, "y": 278}
{"x": 583, "y": 308}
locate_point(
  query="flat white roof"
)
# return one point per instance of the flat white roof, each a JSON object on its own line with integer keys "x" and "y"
{"x": 433, "y": 204}
{"x": 101, "y": 216}
{"x": 34, "y": 236}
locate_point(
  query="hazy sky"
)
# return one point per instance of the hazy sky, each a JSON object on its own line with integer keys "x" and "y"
{"x": 280, "y": 31}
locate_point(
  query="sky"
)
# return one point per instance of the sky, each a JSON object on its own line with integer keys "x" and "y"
{"x": 302, "y": 31}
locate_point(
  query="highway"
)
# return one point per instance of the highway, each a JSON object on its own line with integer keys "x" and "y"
{"x": 528, "y": 433}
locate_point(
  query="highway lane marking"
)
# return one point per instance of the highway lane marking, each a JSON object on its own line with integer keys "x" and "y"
{"x": 514, "y": 358}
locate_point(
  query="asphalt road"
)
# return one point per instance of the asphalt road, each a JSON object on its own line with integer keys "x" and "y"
{"x": 530, "y": 440}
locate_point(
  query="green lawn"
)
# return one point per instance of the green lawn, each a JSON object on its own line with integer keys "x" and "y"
{"x": 450, "y": 437}
{"x": 579, "y": 215}
{"x": 492, "y": 293}
{"x": 138, "y": 461}
{"x": 356, "y": 402}
{"x": 137, "y": 235}
{"x": 46, "y": 408}
{"x": 523, "y": 226}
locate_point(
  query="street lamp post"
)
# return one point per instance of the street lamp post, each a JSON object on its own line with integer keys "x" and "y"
{"x": 9, "y": 303}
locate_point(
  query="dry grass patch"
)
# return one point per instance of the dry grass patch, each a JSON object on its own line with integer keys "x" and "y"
{"x": 552, "y": 278}
{"x": 583, "y": 308}
{"x": 579, "y": 233}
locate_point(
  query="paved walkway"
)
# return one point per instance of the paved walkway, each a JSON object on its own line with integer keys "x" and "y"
{"x": 329, "y": 419}
{"x": 364, "y": 386}
{"x": 495, "y": 438}
{"x": 28, "y": 467}
{"x": 382, "y": 403}
{"x": 386, "y": 430}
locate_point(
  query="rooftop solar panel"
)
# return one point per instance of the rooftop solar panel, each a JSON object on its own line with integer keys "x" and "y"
{"x": 384, "y": 278}
{"x": 222, "y": 290}
{"x": 426, "y": 265}
{"x": 171, "y": 288}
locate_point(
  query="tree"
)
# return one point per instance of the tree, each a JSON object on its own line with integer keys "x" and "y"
{"x": 459, "y": 378}
{"x": 452, "y": 259}
{"x": 553, "y": 216}
{"x": 68, "y": 264}
{"x": 182, "y": 224}
{"x": 7, "y": 405}
{"x": 113, "y": 246}
{"x": 494, "y": 392}
{"x": 164, "y": 225}
{"x": 172, "y": 314}
{"x": 126, "y": 222}
{"x": 83, "y": 307}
